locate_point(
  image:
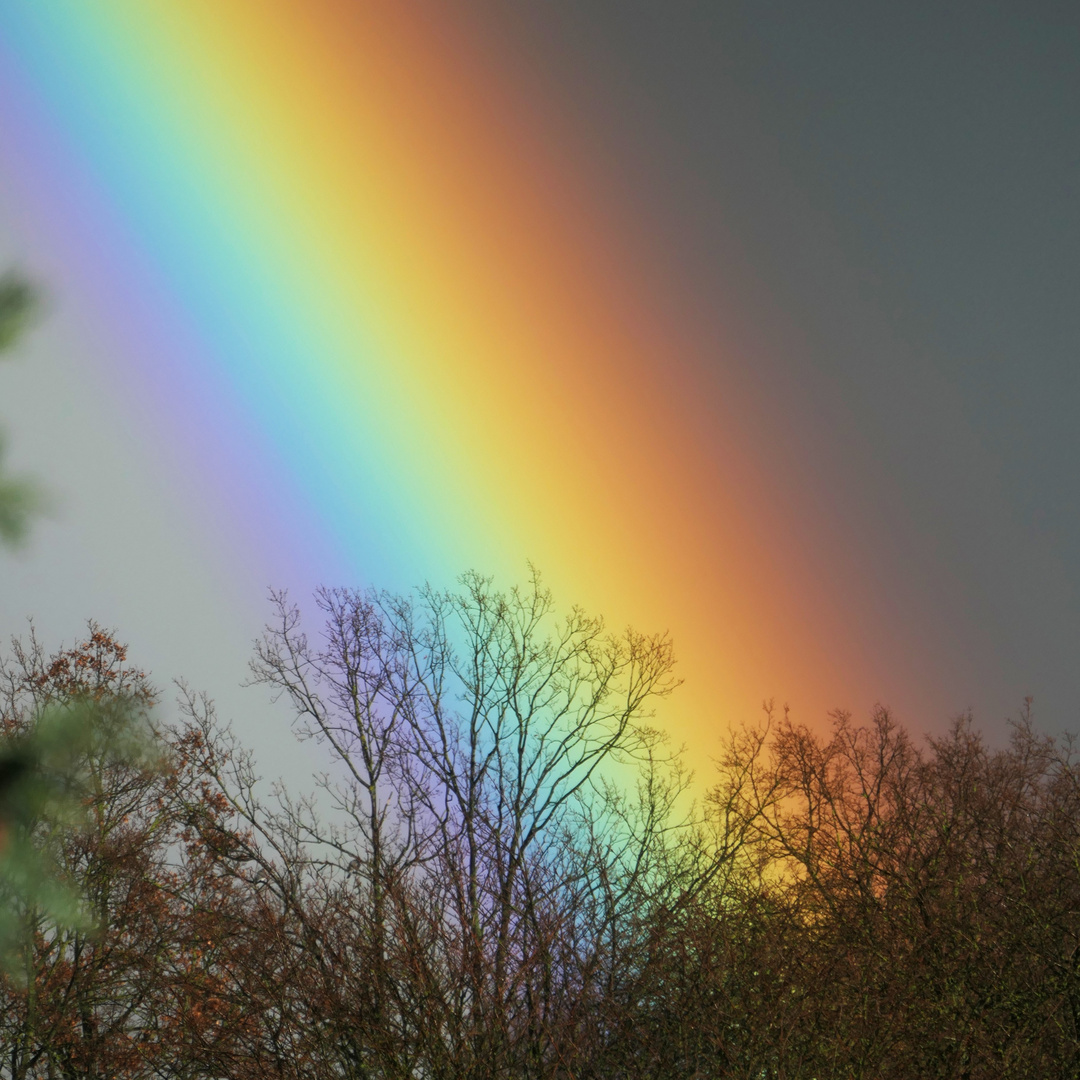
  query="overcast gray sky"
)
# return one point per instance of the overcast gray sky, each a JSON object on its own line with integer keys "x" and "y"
{"x": 884, "y": 200}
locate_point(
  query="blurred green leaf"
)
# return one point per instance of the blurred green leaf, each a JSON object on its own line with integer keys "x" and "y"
{"x": 46, "y": 785}
{"x": 18, "y": 302}
{"x": 19, "y": 498}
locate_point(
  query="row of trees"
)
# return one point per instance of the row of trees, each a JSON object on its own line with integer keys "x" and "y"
{"x": 502, "y": 874}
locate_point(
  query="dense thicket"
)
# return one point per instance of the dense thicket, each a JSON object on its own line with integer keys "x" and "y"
{"x": 500, "y": 876}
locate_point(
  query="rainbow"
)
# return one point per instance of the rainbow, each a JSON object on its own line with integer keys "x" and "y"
{"x": 394, "y": 318}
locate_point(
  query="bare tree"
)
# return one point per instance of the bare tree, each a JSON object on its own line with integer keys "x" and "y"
{"x": 119, "y": 988}
{"x": 471, "y": 734}
{"x": 926, "y": 899}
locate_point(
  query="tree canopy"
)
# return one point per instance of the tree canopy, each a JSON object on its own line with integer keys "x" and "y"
{"x": 501, "y": 877}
